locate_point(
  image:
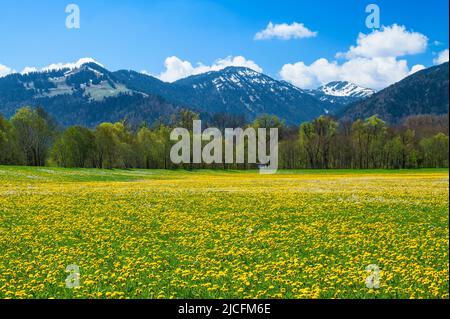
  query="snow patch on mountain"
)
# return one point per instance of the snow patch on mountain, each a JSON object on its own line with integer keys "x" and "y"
{"x": 61, "y": 66}
{"x": 341, "y": 92}
{"x": 85, "y": 76}
{"x": 345, "y": 89}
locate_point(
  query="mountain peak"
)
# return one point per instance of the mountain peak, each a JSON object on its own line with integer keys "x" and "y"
{"x": 242, "y": 90}
{"x": 341, "y": 93}
{"x": 240, "y": 69}
{"x": 62, "y": 66}
{"x": 345, "y": 89}
{"x": 231, "y": 77}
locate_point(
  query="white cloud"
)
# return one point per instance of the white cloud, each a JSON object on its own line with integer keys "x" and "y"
{"x": 391, "y": 41}
{"x": 375, "y": 73}
{"x": 441, "y": 58}
{"x": 417, "y": 68}
{"x": 372, "y": 63}
{"x": 285, "y": 31}
{"x": 176, "y": 69}
{"x": 235, "y": 61}
{"x": 60, "y": 66}
{"x": 4, "y": 70}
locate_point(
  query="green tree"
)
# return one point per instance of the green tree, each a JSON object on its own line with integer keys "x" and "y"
{"x": 394, "y": 153}
{"x": 126, "y": 146}
{"x": 184, "y": 118}
{"x": 369, "y": 138}
{"x": 33, "y": 134}
{"x": 316, "y": 138}
{"x": 75, "y": 148}
{"x": 146, "y": 143}
{"x": 375, "y": 133}
{"x": 8, "y": 149}
{"x": 106, "y": 145}
{"x": 268, "y": 121}
{"x": 163, "y": 144}
{"x": 435, "y": 150}
{"x": 358, "y": 139}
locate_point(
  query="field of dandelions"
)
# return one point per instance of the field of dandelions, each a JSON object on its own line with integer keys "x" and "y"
{"x": 214, "y": 234}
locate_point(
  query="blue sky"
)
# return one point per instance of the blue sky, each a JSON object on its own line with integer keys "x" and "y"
{"x": 140, "y": 35}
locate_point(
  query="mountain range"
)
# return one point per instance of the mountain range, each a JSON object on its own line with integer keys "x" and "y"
{"x": 233, "y": 90}
{"x": 88, "y": 94}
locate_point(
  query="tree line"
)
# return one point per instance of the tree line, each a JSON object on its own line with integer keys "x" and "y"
{"x": 32, "y": 137}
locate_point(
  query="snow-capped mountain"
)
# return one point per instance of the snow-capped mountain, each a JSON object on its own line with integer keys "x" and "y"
{"x": 345, "y": 89}
{"x": 241, "y": 90}
{"x": 233, "y": 90}
{"x": 62, "y": 66}
{"x": 87, "y": 93}
{"x": 341, "y": 92}
{"x": 79, "y": 94}
{"x": 90, "y": 79}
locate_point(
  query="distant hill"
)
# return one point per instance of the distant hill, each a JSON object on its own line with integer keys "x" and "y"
{"x": 424, "y": 92}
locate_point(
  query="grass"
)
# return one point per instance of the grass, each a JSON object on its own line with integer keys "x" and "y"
{"x": 223, "y": 234}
